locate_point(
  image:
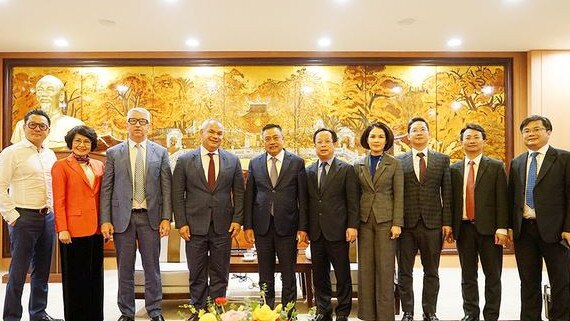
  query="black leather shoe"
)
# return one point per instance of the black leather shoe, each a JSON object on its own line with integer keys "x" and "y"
{"x": 322, "y": 317}
{"x": 157, "y": 318}
{"x": 47, "y": 318}
{"x": 469, "y": 318}
{"x": 341, "y": 318}
{"x": 430, "y": 317}
{"x": 408, "y": 316}
{"x": 125, "y": 318}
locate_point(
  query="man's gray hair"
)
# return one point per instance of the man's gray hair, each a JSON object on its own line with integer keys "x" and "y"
{"x": 211, "y": 120}
{"x": 141, "y": 110}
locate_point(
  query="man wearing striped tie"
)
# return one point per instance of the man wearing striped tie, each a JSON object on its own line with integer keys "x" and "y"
{"x": 539, "y": 191}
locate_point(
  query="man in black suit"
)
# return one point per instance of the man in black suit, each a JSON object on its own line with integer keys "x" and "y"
{"x": 427, "y": 218}
{"x": 480, "y": 222}
{"x": 539, "y": 192}
{"x": 207, "y": 198}
{"x": 333, "y": 222}
{"x": 275, "y": 212}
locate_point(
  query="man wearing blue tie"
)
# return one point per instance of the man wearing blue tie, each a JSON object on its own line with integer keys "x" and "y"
{"x": 539, "y": 191}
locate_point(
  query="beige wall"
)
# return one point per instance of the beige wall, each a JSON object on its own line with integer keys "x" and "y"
{"x": 549, "y": 92}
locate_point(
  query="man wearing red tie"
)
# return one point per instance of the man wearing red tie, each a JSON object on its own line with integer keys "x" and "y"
{"x": 480, "y": 221}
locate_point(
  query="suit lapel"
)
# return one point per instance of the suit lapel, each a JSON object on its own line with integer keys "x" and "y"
{"x": 284, "y": 166}
{"x": 333, "y": 170}
{"x": 381, "y": 167}
{"x": 522, "y": 169}
{"x": 312, "y": 175}
{"x": 482, "y": 168}
{"x": 225, "y": 167}
{"x": 197, "y": 161}
{"x": 150, "y": 157}
{"x": 125, "y": 153}
{"x": 366, "y": 171}
{"x": 408, "y": 166}
{"x": 546, "y": 164}
{"x": 74, "y": 164}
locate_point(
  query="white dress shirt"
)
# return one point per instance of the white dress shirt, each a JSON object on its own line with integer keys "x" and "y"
{"x": 133, "y": 159}
{"x": 206, "y": 161}
{"x": 278, "y": 163}
{"x": 26, "y": 173}
{"x": 527, "y": 211}
{"x": 416, "y": 160}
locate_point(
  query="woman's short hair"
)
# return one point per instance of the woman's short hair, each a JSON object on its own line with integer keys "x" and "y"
{"x": 387, "y": 132}
{"x": 84, "y": 131}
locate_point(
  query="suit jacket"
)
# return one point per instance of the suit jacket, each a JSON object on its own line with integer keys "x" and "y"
{"x": 335, "y": 207}
{"x": 117, "y": 186}
{"x": 75, "y": 201}
{"x": 193, "y": 202}
{"x": 491, "y": 205}
{"x": 551, "y": 194}
{"x": 289, "y": 197}
{"x": 431, "y": 199}
{"x": 382, "y": 196}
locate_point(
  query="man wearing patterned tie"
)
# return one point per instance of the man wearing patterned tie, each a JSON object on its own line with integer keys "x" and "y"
{"x": 539, "y": 192}
{"x": 480, "y": 222}
{"x": 207, "y": 198}
{"x": 275, "y": 212}
{"x": 136, "y": 211}
{"x": 427, "y": 218}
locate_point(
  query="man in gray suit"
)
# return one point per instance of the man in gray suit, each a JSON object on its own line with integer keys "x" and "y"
{"x": 136, "y": 211}
{"x": 207, "y": 197}
{"x": 333, "y": 223}
{"x": 427, "y": 218}
{"x": 480, "y": 222}
{"x": 275, "y": 209}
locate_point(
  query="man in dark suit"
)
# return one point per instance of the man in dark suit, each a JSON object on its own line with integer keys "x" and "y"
{"x": 427, "y": 218}
{"x": 480, "y": 222}
{"x": 539, "y": 192}
{"x": 333, "y": 223}
{"x": 207, "y": 198}
{"x": 136, "y": 211}
{"x": 275, "y": 212}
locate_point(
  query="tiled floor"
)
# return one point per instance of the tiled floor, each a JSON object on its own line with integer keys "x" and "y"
{"x": 449, "y": 303}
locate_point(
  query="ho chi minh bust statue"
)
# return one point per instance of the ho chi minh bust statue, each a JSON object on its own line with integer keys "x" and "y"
{"x": 49, "y": 91}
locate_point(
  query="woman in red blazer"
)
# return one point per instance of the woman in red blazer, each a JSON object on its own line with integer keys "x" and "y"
{"x": 76, "y": 183}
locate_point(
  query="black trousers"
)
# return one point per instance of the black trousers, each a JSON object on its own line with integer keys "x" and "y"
{"x": 285, "y": 246}
{"x": 82, "y": 278}
{"x": 530, "y": 249}
{"x": 472, "y": 246}
{"x": 429, "y": 243}
{"x": 323, "y": 254}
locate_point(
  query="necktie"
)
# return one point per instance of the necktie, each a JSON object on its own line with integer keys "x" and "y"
{"x": 423, "y": 167}
{"x": 531, "y": 180}
{"x": 323, "y": 176}
{"x": 470, "y": 193}
{"x": 139, "y": 193}
{"x": 211, "y": 172}
{"x": 273, "y": 171}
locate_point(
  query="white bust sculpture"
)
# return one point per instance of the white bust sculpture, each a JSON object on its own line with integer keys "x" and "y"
{"x": 49, "y": 90}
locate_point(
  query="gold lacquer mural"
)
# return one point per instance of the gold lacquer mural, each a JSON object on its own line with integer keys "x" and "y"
{"x": 299, "y": 98}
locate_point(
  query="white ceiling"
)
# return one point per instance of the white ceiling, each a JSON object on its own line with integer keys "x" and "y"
{"x": 284, "y": 25}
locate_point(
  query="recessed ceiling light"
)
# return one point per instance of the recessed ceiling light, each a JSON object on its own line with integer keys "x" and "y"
{"x": 61, "y": 42}
{"x": 170, "y": 1}
{"x": 342, "y": 1}
{"x": 192, "y": 42}
{"x": 454, "y": 42}
{"x": 406, "y": 21}
{"x": 325, "y": 42}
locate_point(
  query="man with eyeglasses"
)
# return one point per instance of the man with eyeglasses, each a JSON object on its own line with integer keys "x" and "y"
{"x": 26, "y": 204}
{"x": 539, "y": 191}
{"x": 136, "y": 210}
{"x": 427, "y": 219}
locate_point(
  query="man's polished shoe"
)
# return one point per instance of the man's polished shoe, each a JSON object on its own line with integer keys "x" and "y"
{"x": 157, "y": 318}
{"x": 408, "y": 316}
{"x": 125, "y": 318}
{"x": 430, "y": 317}
{"x": 322, "y": 317}
{"x": 341, "y": 318}
{"x": 469, "y": 318}
{"x": 47, "y": 318}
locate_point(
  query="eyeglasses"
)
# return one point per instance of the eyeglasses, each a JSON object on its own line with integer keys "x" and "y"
{"x": 534, "y": 130}
{"x": 43, "y": 127}
{"x": 418, "y": 130}
{"x": 140, "y": 121}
